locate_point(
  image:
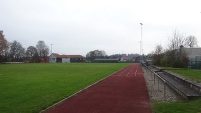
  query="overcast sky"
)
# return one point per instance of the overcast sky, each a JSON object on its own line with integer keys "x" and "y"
{"x": 79, "y": 26}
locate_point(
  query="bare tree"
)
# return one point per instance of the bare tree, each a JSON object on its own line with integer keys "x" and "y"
{"x": 159, "y": 49}
{"x": 31, "y": 51}
{"x": 32, "y": 54}
{"x": 158, "y": 54}
{"x": 43, "y": 50}
{"x": 6, "y": 53}
{"x": 176, "y": 41}
{"x": 175, "y": 54}
{"x": 191, "y": 41}
{"x": 17, "y": 52}
{"x": 3, "y": 44}
{"x": 95, "y": 54}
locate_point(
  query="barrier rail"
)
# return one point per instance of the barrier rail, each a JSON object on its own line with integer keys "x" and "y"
{"x": 167, "y": 83}
{"x": 159, "y": 78}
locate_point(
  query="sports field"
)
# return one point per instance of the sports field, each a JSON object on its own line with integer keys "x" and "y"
{"x": 28, "y": 88}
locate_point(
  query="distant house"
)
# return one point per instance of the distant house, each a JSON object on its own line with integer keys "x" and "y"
{"x": 56, "y": 58}
{"x": 76, "y": 58}
{"x": 125, "y": 59}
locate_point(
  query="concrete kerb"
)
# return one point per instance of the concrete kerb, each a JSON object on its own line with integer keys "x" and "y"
{"x": 61, "y": 101}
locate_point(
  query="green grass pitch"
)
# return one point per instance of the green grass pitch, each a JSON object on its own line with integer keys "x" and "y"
{"x": 30, "y": 88}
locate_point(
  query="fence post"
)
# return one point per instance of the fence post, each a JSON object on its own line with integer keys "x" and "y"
{"x": 154, "y": 78}
{"x": 164, "y": 91}
{"x": 158, "y": 83}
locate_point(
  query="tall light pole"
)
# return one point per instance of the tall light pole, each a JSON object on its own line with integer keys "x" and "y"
{"x": 141, "y": 48}
{"x": 51, "y": 48}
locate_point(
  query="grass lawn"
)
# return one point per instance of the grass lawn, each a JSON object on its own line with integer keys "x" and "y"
{"x": 30, "y": 88}
{"x": 189, "y": 73}
{"x": 193, "y": 106}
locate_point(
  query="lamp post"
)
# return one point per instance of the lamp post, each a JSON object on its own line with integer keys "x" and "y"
{"x": 51, "y": 48}
{"x": 141, "y": 48}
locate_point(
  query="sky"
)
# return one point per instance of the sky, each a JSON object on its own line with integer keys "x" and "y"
{"x": 80, "y": 26}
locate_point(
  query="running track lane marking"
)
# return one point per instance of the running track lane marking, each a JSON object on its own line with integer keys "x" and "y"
{"x": 129, "y": 71}
{"x": 134, "y": 66}
{"x": 136, "y": 70}
{"x": 123, "y": 71}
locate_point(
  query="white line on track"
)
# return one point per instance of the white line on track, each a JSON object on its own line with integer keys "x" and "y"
{"x": 132, "y": 68}
{"x": 136, "y": 70}
{"x": 130, "y": 71}
{"x": 123, "y": 71}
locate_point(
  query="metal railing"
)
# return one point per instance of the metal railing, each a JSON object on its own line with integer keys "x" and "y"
{"x": 158, "y": 82}
{"x": 157, "y": 77}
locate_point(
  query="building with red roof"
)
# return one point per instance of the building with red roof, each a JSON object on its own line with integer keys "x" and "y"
{"x": 56, "y": 58}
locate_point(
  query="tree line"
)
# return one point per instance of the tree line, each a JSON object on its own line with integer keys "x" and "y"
{"x": 92, "y": 55}
{"x": 174, "y": 55}
{"x": 15, "y": 52}
{"x": 101, "y": 54}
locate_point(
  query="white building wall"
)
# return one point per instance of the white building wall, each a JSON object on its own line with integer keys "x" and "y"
{"x": 52, "y": 59}
{"x": 65, "y": 60}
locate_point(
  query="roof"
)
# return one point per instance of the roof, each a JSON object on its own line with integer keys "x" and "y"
{"x": 67, "y": 56}
{"x": 60, "y": 56}
{"x": 75, "y": 56}
{"x": 192, "y": 52}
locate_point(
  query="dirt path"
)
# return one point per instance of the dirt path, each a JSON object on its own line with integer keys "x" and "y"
{"x": 122, "y": 92}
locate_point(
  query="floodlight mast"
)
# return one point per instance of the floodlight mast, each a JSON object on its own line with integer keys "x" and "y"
{"x": 51, "y": 48}
{"x": 141, "y": 47}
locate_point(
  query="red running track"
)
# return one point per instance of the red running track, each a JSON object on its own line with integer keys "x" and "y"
{"x": 123, "y": 92}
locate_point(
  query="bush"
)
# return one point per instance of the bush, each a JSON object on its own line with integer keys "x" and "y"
{"x": 156, "y": 59}
{"x": 164, "y": 61}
